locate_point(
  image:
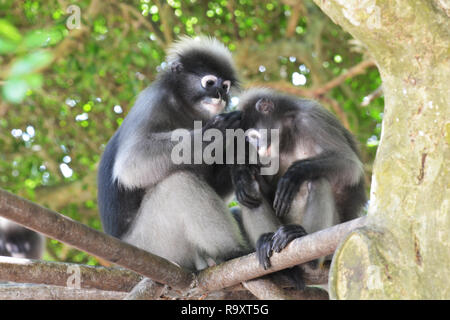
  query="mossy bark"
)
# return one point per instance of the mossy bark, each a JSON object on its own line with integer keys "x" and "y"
{"x": 404, "y": 251}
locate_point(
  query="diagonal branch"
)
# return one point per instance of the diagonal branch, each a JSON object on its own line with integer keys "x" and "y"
{"x": 64, "y": 229}
{"x": 358, "y": 69}
{"x": 301, "y": 250}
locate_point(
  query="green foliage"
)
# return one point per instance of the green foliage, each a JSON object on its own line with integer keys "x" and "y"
{"x": 65, "y": 92}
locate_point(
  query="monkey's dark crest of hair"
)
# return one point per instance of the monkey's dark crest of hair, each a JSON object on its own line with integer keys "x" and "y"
{"x": 144, "y": 197}
{"x": 320, "y": 182}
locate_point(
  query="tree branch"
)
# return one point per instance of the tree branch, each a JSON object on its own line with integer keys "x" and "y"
{"x": 301, "y": 250}
{"x": 64, "y": 229}
{"x": 315, "y": 93}
{"x": 146, "y": 289}
{"x": 360, "y": 68}
{"x": 372, "y": 96}
{"x": 46, "y": 292}
{"x": 57, "y": 274}
{"x": 227, "y": 274}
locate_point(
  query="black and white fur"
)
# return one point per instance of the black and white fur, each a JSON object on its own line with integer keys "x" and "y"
{"x": 19, "y": 242}
{"x": 178, "y": 212}
{"x": 320, "y": 181}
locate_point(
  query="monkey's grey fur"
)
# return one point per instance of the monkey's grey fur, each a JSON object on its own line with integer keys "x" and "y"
{"x": 320, "y": 182}
{"x": 178, "y": 212}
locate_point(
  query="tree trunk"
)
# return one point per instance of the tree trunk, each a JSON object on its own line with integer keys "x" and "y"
{"x": 404, "y": 251}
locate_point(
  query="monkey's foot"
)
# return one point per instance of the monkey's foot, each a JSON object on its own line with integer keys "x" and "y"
{"x": 264, "y": 249}
{"x": 286, "y": 234}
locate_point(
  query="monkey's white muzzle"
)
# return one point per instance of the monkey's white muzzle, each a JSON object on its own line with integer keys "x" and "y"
{"x": 213, "y": 105}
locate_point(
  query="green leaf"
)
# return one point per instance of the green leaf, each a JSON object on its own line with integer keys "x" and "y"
{"x": 7, "y": 46}
{"x": 40, "y": 38}
{"x": 8, "y": 31}
{"x": 14, "y": 90}
{"x": 31, "y": 63}
{"x": 34, "y": 80}
{"x": 35, "y": 39}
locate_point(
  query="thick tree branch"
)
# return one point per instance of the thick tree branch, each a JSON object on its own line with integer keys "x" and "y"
{"x": 46, "y": 292}
{"x": 301, "y": 250}
{"x": 57, "y": 273}
{"x": 228, "y": 274}
{"x": 66, "y": 230}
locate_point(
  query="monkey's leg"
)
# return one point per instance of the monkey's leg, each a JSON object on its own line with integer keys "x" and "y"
{"x": 259, "y": 225}
{"x": 319, "y": 213}
{"x": 258, "y": 221}
{"x": 183, "y": 220}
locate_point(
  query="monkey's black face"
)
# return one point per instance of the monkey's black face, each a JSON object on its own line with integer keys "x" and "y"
{"x": 203, "y": 81}
{"x": 258, "y": 123}
{"x": 206, "y": 92}
{"x": 266, "y": 121}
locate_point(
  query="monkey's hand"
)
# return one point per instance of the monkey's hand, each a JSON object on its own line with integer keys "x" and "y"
{"x": 264, "y": 249}
{"x": 246, "y": 186}
{"x": 230, "y": 120}
{"x": 288, "y": 186}
{"x": 285, "y": 234}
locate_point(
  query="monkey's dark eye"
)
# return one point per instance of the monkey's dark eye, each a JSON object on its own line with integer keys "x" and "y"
{"x": 208, "y": 81}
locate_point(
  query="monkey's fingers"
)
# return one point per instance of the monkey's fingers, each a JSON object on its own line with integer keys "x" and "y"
{"x": 264, "y": 249}
{"x": 224, "y": 121}
{"x": 231, "y": 120}
{"x": 285, "y": 198}
{"x": 285, "y": 234}
{"x": 247, "y": 198}
{"x": 278, "y": 195}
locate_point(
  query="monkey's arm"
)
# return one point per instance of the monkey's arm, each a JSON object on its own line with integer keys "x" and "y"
{"x": 333, "y": 165}
{"x": 144, "y": 159}
{"x": 246, "y": 185}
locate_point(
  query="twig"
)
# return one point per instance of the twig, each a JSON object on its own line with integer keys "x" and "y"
{"x": 130, "y": 9}
{"x": 334, "y": 105}
{"x": 372, "y": 96}
{"x": 296, "y": 9}
{"x": 316, "y": 93}
{"x": 360, "y": 68}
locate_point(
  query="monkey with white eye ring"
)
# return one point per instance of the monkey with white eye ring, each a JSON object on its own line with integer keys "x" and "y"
{"x": 176, "y": 211}
{"x": 19, "y": 242}
{"x": 320, "y": 181}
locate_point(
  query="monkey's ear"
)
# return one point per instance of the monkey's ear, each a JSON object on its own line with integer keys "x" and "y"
{"x": 265, "y": 105}
{"x": 176, "y": 67}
